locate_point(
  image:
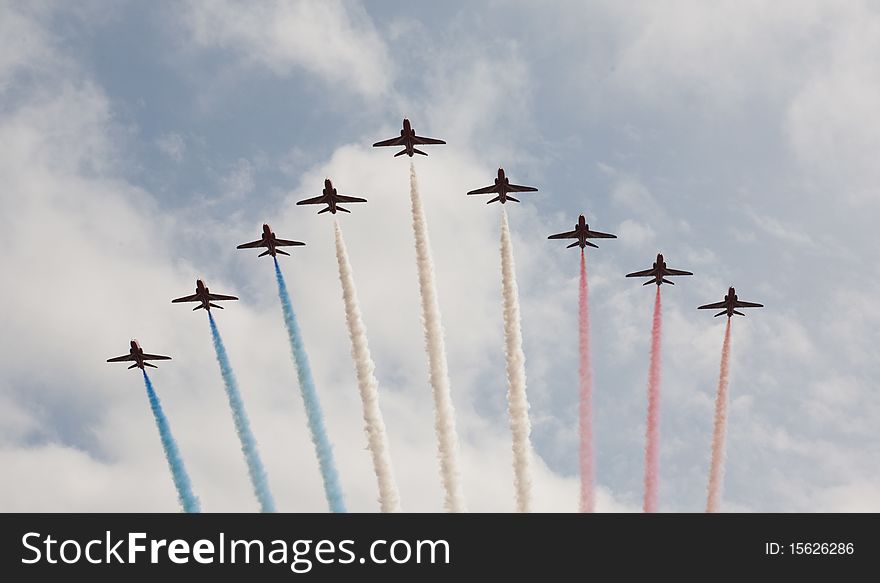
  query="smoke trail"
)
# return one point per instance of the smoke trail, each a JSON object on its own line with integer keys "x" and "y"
{"x": 586, "y": 394}
{"x": 517, "y": 403}
{"x": 716, "y": 470}
{"x": 374, "y": 426}
{"x": 185, "y": 495}
{"x": 652, "y": 436}
{"x": 242, "y": 425}
{"x": 323, "y": 449}
{"x": 444, "y": 413}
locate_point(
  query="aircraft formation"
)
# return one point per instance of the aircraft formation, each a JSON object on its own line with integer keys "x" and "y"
{"x": 501, "y": 188}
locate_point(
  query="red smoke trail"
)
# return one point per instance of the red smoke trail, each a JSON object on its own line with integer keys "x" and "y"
{"x": 652, "y": 437}
{"x": 716, "y": 470}
{"x": 586, "y": 394}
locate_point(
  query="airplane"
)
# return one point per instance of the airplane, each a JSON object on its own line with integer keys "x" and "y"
{"x": 729, "y": 305}
{"x": 270, "y": 242}
{"x": 330, "y": 197}
{"x": 408, "y": 139}
{"x": 582, "y": 232}
{"x": 502, "y": 186}
{"x": 137, "y": 355}
{"x": 659, "y": 272}
{"x": 204, "y": 296}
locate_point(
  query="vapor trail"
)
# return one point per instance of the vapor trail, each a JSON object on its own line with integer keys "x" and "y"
{"x": 242, "y": 425}
{"x": 185, "y": 495}
{"x": 323, "y": 448}
{"x": 716, "y": 469}
{"x": 444, "y": 413}
{"x": 517, "y": 403}
{"x": 652, "y": 433}
{"x": 587, "y": 503}
{"x": 374, "y": 426}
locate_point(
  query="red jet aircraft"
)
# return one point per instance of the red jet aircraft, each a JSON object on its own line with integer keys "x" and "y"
{"x": 137, "y": 355}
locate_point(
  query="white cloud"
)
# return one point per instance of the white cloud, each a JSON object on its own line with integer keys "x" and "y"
{"x": 803, "y": 397}
{"x": 239, "y": 181}
{"x": 172, "y": 145}
{"x": 832, "y": 120}
{"x": 119, "y": 262}
{"x": 634, "y": 233}
{"x": 332, "y": 39}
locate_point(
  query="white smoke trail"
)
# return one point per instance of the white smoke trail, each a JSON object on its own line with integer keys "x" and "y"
{"x": 517, "y": 402}
{"x": 444, "y": 413}
{"x": 374, "y": 426}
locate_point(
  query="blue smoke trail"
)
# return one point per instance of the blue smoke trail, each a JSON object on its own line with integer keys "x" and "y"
{"x": 178, "y": 472}
{"x": 242, "y": 425}
{"x": 332, "y": 489}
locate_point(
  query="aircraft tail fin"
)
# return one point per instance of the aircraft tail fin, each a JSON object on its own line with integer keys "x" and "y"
{"x": 738, "y": 313}
{"x": 326, "y": 210}
{"x": 132, "y": 366}
{"x": 721, "y": 313}
{"x": 264, "y": 253}
{"x": 417, "y": 151}
{"x": 575, "y": 244}
{"x": 199, "y": 307}
{"x": 150, "y": 365}
{"x": 496, "y": 199}
{"x": 281, "y": 252}
{"x": 513, "y": 199}
{"x": 650, "y": 281}
{"x": 400, "y": 153}
{"x": 339, "y": 208}
{"x": 591, "y": 244}
{"x": 215, "y": 306}
{"x": 664, "y": 280}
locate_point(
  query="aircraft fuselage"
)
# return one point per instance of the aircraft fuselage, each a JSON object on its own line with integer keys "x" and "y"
{"x": 408, "y": 134}
{"x": 330, "y": 193}
{"x": 138, "y": 353}
{"x": 202, "y": 293}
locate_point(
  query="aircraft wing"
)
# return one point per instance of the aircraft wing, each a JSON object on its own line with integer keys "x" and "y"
{"x": 251, "y": 245}
{"x": 126, "y": 358}
{"x": 315, "y": 200}
{"x": 715, "y": 306}
{"x": 677, "y": 272}
{"x": 287, "y": 243}
{"x": 740, "y": 304}
{"x": 343, "y": 198}
{"x": 192, "y": 298}
{"x": 398, "y": 141}
{"x": 568, "y": 235}
{"x": 645, "y": 273}
{"x": 421, "y": 140}
{"x": 518, "y": 188}
{"x": 599, "y": 235}
{"x": 155, "y": 357}
{"x": 220, "y": 297}
{"x": 485, "y": 190}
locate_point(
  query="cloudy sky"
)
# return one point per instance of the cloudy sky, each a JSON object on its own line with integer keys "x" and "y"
{"x": 140, "y": 142}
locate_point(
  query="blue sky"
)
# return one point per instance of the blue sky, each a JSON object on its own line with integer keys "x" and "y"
{"x": 142, "y": 141}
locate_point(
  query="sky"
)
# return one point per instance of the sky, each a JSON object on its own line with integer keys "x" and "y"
{"x": 141, "y": 142}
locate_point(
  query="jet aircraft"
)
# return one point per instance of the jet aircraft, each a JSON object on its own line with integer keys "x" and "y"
{"x": 204, "y": 296}
{"x": 501, "y": 187}
{"x": 729, "y": 305}
{"x": 658, "y": 272}
{"x": 331, "y": 198}
{"x": 270, "y": 242}
{"x": 137, "y": 355}
{"x": 582, "y": 232}
{"x": 408, "y": 139}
